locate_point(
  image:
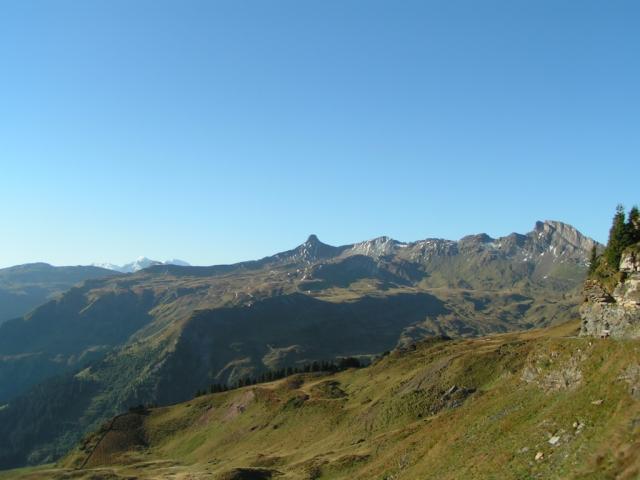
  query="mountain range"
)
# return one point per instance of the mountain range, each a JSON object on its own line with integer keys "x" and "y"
{"x": 139, "y": 263}
{"x": 24, "y": 287}
{"x": 161, "y": 333}
{"x": 558, "y": 402}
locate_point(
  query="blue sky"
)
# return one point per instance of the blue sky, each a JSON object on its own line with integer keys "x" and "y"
{"x": 219, "y": 131}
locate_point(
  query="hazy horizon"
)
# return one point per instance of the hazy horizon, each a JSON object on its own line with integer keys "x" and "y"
{"x": 281, "y": 249}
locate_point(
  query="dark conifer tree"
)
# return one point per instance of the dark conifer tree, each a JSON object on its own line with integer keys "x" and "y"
{"x": 633, "y": 225}
{"x": 617, "y": 236}
{"x": 593, "y": 261}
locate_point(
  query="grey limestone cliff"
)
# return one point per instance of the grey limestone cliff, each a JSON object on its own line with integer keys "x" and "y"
{"x": 616, "y": 314}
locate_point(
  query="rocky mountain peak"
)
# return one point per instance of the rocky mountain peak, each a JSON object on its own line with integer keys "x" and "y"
{"x": 376, "y": 247}
{"x": 552, "y": 228}
{"x": 312, "y": 250}
{"x": 561, "y": 237}
{"x": 312, "y": 240}
{"x": 476, "y": 239}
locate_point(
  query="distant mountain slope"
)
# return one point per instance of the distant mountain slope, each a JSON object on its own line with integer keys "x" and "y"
{"x": 158, "y": 334}
{"x": 539, "y": 404}
{"x": 24, "y": 287}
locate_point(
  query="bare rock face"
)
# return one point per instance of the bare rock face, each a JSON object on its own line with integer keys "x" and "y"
{"x": 616, "y": 315}
{"x": 627, "y": 293}
{"x": 610, "y": 320}
{"x": 553, "y": 371}
{"x": 630, "y": 263}
{"x": 562, "y": 237}
{"x": 376, "y": 248}
{"x": 595, "y": 293}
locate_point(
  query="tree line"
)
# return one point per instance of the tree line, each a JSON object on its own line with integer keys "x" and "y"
{"x": 624, "y": 232}
{"x": 271, "y": 375}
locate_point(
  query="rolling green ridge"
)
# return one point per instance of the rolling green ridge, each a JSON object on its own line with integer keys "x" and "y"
{"x": 24, "y": 287}
{"x": 539, "y": 404}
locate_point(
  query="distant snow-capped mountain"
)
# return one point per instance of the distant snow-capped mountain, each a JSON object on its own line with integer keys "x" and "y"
{"x": 139, "y": 264}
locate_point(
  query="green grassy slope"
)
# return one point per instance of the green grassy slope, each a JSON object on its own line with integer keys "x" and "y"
{"x": 182, "y": 333}
{"x": 542, "y": 404}
{"x": 24, "y": 287}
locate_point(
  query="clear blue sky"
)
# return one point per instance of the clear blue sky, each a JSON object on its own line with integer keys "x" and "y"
{"x": 218, "y": 131}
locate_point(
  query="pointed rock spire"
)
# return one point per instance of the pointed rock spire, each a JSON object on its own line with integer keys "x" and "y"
{"x": 313, "y": 239}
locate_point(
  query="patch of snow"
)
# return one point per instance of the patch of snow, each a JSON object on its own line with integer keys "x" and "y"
{"x": 176, "y": 261}
{"x": 140, "y": 263}
{"x": 108, "y": 266}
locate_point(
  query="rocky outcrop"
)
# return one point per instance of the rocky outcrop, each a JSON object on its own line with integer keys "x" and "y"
{"x": 630, "y": 262}
{"x": 616, "y": 315}
{"x": 554, "y": 370}
{"x": 595, "y": 293}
